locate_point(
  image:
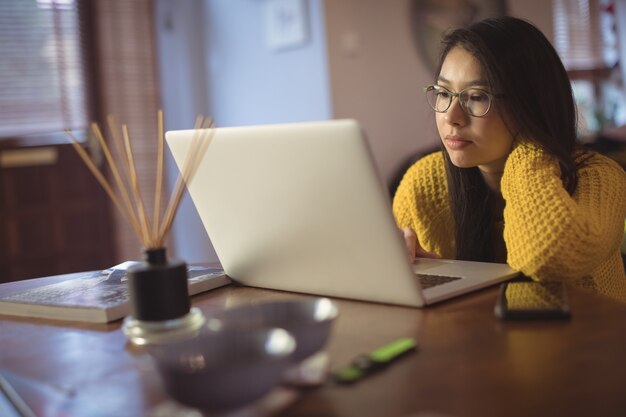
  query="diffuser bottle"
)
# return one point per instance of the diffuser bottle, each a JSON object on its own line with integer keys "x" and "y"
{"x": 160, "y": 307}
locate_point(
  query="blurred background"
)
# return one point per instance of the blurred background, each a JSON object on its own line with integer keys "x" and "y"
{"x": 67, "y": 63}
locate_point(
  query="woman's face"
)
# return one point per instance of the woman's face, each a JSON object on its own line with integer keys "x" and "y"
{"x": 483, "y": 142}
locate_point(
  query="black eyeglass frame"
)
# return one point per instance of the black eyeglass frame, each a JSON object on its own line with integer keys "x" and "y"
{"x": 431, "y": 87}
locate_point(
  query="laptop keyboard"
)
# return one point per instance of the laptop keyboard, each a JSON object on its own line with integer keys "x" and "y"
{"x": 429, "y": 281}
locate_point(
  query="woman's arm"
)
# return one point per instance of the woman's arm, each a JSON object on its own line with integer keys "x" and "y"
{"x": 421, "y": 204}
{"x": 550, "y": 234}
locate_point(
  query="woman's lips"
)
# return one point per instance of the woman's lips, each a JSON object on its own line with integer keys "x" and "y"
{"x": 456, "y": 142}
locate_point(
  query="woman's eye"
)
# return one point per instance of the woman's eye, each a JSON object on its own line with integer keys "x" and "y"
{"x": 478, "y": 97}
{"x": 443, "y": 94}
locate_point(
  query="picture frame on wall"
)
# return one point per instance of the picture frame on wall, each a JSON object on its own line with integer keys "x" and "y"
{"x": 432, "y": 18}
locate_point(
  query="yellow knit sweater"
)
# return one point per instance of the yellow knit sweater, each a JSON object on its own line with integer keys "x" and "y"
{"x": 548, "y": 233}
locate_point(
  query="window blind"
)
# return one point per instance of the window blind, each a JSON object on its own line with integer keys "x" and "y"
{"x": 584, "y": 33}
{"x": 42, "y": 78}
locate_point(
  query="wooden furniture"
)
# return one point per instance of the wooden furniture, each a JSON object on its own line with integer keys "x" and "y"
{"x": 468, "y": 364}
{"x": 53, "y": 214}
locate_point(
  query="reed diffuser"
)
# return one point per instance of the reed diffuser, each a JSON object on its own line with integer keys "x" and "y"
{"x": 157, "y": 287}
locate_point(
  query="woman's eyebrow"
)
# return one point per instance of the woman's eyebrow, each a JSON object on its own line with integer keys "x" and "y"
{"x": 482, "y": 83}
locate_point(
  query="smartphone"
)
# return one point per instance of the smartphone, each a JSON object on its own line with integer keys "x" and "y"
{"x": 532, "y": 301}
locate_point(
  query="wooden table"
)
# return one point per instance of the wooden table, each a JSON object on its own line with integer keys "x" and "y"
{"x": 468, "y": 364}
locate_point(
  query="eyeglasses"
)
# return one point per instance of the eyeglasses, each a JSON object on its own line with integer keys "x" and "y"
{"x": 474, "y": 101}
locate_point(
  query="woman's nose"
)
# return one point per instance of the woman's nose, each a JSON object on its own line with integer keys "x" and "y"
{"x": 456, "y": 114}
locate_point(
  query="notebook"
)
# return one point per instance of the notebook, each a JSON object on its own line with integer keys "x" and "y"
{"x": 300, "y": 207}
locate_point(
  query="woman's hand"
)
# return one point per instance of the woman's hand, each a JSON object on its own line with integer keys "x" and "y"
{"x": 414, "y": 249}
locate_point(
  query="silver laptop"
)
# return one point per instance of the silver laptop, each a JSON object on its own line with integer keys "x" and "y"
{"x": 300, "y": 207}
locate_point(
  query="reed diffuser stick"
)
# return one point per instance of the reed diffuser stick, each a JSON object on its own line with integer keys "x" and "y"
{"x": 158, "y": 187}
{"x": 199, "y": 144}
{"x": 101, "y": 179}
{"x": 119, "y": 145}
{"x": 128, "y": 198}
{"x": 116, "y": 175}
{"x": 141, "y": 209}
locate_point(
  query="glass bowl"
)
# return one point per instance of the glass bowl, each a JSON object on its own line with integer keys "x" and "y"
{"x": 309, "y": 321}
{"x": 224, "y": 369}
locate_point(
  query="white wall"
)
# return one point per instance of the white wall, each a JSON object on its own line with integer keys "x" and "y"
{"x": 538, "y": 12}
{"x": 213, "y": 60}
{"x": 377, "y": 77}
{"x": 250, "y": 83}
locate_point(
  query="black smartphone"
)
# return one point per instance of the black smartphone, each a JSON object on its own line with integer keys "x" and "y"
{"x": 532, "y": 301}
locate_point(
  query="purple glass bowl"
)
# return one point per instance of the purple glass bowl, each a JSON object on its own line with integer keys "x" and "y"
{"x": 309, "y": 321}
{"x": 224, "y": 369}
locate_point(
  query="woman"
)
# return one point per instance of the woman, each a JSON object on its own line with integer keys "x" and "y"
{"x": 511, "y": 184}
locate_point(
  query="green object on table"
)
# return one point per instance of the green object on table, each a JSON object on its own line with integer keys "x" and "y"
{"x": 393, "y": 350}
{"x": 349, "y": 374}
{"x": 364, "y": 365}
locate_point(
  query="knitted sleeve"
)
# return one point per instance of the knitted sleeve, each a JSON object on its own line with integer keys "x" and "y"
{"x": 550, "y": 234}
{"x": 421, "y": 203}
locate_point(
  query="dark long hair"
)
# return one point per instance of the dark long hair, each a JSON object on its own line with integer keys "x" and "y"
{"x": 538, "y": 104}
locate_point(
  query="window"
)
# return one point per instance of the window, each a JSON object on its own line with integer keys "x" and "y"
{"x": 42, "y": 77}
{"x": 586, "y": 39}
